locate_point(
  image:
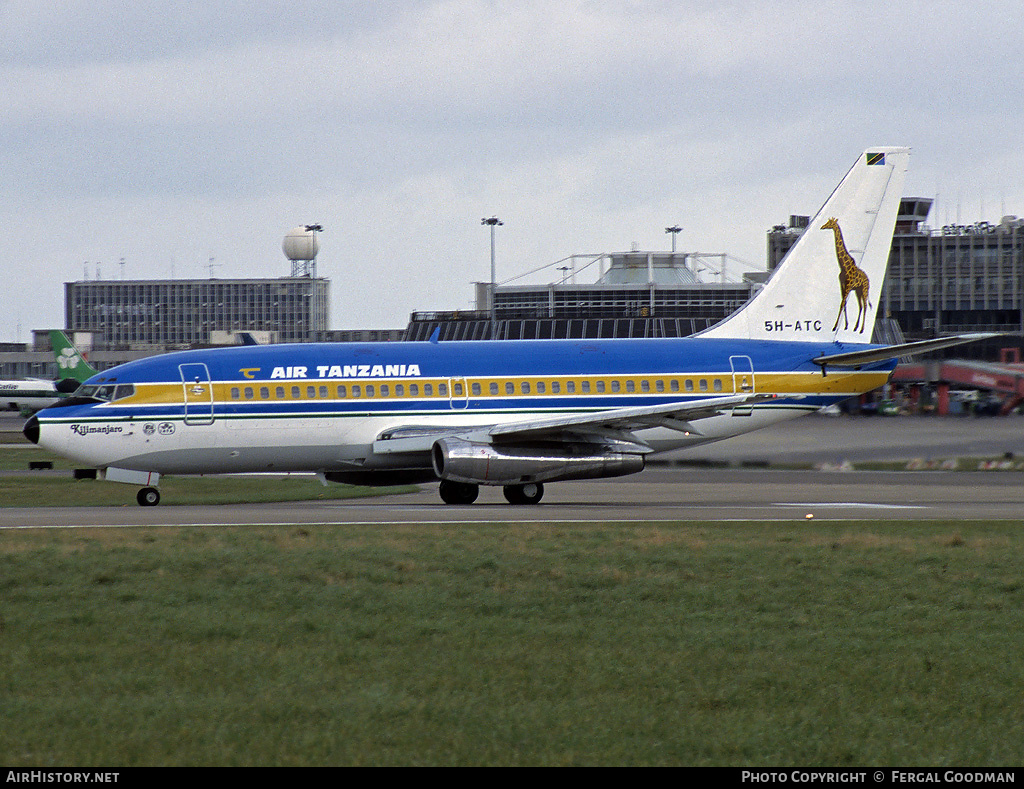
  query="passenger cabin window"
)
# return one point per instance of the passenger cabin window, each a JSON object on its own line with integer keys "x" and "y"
{"x": 236, "y": 393}
{"x": 428, "y": 390}
{"x": 442, "y": 390}
{"x": 600, "y": 387}
{"x": 385, "y": 390}
{"x": 279, "y": 393}
{"x": 510, "y": 388}
{"x": 525, "y": 387}
{"x": 494, "y": 387}
{"x": 310, "y": 392}
{"x": 264, "y": 393}
{"x": 370, "y": 390}
{"x": 540, "y": 387}
{"x": 342, "y": 390}
{"x": 414, "y": 390}
{"x": 249, "y": 393}
{"x": 475, "y": 388}
{"x": 585, "y": 387}
{"x": 718, "y": 385}
{"x": 296, "y": 393}
{"x": 674, "y": 385}
{"x": 689, "y": 384}
{"x": 357, "y": 390}
{"x": 399, "y": 390}
{"x": 615, "y": 386}
{"x": 555, "y": 387}
{"x": 570, "y": 387}
{"x": 703, "y": 385}
{"x": 323, "y": 392}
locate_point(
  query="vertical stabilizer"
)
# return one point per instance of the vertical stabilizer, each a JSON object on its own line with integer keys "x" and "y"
{"x": 70, "y": 362}
{"x": 828, "y": 285}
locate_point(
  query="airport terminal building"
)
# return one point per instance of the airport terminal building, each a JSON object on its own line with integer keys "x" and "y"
{"x": 637, "y": 294}
{"x": 178, "y": 313}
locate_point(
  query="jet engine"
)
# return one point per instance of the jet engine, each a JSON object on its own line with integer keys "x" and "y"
{"x": 493, "y": 464}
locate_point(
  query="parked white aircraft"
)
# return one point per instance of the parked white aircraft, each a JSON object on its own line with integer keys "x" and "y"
{"x": 29, "y": 395}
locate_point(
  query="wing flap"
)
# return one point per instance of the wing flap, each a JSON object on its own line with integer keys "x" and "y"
{"x": 611, "y": 425}
{"x": 676, "y": 416}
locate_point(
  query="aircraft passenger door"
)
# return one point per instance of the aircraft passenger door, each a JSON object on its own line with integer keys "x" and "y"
{"x": 198, "y": 389}
{"x": 742, "y": 382}
{"x": 458, "y": 393}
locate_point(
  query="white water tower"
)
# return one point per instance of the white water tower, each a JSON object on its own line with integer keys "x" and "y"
{"x": 300, "y": 247}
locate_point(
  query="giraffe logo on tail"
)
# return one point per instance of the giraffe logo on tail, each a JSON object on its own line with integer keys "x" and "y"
{"x": 851, "y": 278}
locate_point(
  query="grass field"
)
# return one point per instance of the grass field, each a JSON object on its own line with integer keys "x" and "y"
{"x": 725, "y": 644}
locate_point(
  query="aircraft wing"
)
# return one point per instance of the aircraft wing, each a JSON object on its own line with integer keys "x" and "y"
{"x": 676, "y": 416}
{"x": 614, "y": 425}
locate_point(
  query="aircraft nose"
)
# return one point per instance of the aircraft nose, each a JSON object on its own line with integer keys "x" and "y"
{"x": 31, "y": 430}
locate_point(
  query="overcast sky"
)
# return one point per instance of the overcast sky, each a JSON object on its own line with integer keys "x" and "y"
{"x": 168, "y": 133}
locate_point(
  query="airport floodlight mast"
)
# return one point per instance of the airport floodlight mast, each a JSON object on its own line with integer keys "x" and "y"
{"x": 674, "y": 230}
{"x": 492, "y": 222}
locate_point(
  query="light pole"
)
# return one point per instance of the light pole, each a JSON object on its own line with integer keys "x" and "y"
{"x": 493, "y": 222}
{"x": 674, "y": 230}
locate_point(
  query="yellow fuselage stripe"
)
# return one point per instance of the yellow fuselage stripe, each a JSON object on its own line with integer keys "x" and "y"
{"x": 688, "y": 385}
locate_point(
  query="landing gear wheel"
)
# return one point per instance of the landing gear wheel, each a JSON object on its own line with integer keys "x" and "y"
{"x": 458, "y": 492}
{"x": 530, "y": 493}
{"x": 148, "y": 497}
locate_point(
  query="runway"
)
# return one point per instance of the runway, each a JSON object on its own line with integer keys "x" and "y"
{"x": 724, "y": 491}
{"x": 652, "y": 496}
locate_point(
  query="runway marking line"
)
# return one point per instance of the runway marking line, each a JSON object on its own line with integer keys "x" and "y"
{"x": 853, "y": 504}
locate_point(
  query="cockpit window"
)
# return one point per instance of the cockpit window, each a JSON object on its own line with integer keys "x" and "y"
{"x": 106, "y": 392}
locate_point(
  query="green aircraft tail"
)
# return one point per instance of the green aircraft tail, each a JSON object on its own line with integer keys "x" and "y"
{"x": 70, "y": 362}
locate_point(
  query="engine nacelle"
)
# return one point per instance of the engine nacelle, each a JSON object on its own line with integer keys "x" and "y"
{"x": 489, "y": 464}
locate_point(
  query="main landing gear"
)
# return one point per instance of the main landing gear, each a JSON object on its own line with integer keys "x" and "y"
{"x": 148, "y": 497}
{"x": 530, "y": 493}
{"x": 466, "y": 492}
{"x": 458, "y": 492}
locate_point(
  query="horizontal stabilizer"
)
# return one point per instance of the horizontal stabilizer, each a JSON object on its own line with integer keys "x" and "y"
{"x": 859, "y": 358}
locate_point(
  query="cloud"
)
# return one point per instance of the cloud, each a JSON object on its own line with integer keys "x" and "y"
{"x": 176, "y": 131}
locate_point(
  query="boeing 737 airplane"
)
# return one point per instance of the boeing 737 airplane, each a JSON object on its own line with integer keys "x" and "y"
{"x": 29, "y": 395}
{"x": 512, "y": 413}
